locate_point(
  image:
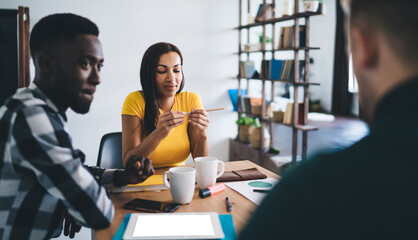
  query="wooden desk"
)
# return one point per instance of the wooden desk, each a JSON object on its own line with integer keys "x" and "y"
{"x": 241, "y": 207}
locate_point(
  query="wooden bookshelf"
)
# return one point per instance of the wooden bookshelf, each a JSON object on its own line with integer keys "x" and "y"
{"x": 278, "y": 50}
{"x": 266, "y": 121}
{"x": 283, "y": 81}
{"x": 276, "y": 20}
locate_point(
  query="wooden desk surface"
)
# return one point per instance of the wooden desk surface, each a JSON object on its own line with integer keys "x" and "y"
{"x": 241, "y": 207}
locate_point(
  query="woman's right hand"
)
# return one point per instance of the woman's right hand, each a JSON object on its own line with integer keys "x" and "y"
{"x": 168, "y": 121}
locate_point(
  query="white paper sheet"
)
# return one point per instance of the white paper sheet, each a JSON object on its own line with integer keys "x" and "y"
{"x": 246, "y": 188}
{"x": 152, "y": 225}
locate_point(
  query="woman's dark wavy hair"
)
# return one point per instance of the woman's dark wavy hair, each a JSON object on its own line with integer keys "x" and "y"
{"x": 147, "y": 75}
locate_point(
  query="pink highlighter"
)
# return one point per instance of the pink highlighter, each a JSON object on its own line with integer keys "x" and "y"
{"x": 215, "y": 189}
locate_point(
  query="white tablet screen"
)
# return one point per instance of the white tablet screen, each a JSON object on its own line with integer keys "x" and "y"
{"x": 149, "y": 225}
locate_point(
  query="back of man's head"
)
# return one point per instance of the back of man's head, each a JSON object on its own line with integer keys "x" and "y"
{"x": 396, "y": 19}
{"x": 57, "y": 27}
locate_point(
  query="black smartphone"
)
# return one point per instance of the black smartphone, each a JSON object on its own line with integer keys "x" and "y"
{"x": 145, "y": 205}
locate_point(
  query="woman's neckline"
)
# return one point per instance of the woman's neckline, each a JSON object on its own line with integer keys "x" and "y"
{"x": 171, "y": 107}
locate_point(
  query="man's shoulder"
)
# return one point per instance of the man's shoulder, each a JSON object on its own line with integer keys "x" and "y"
{"x": 328, "y": 168}
{"x": 24, "y": 98}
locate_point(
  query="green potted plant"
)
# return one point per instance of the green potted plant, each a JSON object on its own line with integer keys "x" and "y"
{"x": 246, "y": 126}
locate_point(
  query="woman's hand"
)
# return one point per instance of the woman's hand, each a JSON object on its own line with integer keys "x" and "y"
{"x": 199, "y": 121}
{"x": 168, "y": 121}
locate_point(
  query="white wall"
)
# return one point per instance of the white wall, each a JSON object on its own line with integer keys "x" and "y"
{"x": 323, "y": 36}
{"x": 203, "y": 30}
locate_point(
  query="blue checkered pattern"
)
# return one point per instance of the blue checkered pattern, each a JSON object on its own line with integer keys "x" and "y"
{"x": 42, "y": 175}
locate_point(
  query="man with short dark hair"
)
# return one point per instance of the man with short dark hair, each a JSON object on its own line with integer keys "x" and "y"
{"x": 369, "y": 190}
{"x": 41, "y": 174}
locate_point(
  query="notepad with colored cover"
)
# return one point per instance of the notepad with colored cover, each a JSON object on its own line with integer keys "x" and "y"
{"x": 153, "y": 183}
{"x": 226, "y": 222}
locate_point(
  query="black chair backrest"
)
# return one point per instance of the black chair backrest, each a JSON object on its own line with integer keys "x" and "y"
{"x": 110, "y": 151}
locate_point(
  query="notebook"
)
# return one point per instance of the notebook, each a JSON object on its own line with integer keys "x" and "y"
{"x": 153, "y": 183}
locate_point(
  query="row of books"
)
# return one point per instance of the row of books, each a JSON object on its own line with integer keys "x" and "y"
{"x": 288, "y": 114}
{"x": 287, "y": 35}
{"x": 246, "y": 69}
{"x": 275, "y": 69}
{"x": 250, "y": 105}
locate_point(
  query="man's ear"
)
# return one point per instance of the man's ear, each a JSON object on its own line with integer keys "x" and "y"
{"x": 365, "y": 43}
{"x": 46, "y": 63}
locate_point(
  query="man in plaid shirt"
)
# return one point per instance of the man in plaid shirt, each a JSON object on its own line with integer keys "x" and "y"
{"x": 42, "y": 176}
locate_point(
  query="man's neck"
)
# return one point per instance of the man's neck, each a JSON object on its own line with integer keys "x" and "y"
{"x": 50, "y": 93}
{"x": 392, "y": 73}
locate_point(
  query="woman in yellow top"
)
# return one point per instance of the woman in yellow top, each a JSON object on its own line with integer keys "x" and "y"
{"x": 161, "y": 122}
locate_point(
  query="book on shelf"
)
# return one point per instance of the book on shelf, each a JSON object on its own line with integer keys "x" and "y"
{"x": 288, "y": 114}
{"x": 153, "y": 183}
{"x": 245, "y": 104}
{"x": 246, "y": 69}
{"x": 287, "y": 35}
{"x": 252, "y": 105}
{"x": 288, "y": 71}
{"x": 301, "y": 113}
{"x": 275, "y": 69}
{"x": 265, "y": 12}
{"x": 271, "y": 69}
{"x": 265, "y": 69}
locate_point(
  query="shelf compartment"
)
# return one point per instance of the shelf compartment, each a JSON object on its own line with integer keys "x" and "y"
{"x": 279, "y": 19}
{"x": 297, "y": 126}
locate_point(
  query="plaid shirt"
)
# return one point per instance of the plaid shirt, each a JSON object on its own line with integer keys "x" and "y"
{"x": 41, "y": 175}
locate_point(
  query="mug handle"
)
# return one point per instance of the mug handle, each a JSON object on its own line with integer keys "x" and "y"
{"x": 222, "y": 168}
{"x": 165, "y": 179}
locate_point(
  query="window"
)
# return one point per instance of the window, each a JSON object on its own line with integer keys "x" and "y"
{"x": 352, "y": 80}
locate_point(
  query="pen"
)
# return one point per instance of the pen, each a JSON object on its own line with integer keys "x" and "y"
{"x": 228, "y": 205}
{"x": 261, "y": 190}
{"x": 207, "y": 110}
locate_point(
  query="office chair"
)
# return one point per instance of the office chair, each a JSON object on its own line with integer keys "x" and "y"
{"x": 110, "y": 151}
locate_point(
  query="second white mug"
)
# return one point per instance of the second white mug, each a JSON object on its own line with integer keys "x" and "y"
{"x": 207, "y": 171}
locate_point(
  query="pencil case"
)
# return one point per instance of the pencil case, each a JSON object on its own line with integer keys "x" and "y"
{"x": 240, "y": 175}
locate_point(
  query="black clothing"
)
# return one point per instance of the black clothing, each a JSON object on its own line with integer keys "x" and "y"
{"x": 367, "y": 191}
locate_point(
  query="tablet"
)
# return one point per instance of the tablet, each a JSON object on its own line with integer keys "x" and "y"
{"x": 204, "y": 225}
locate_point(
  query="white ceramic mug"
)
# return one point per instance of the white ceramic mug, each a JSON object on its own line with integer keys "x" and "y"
{"x": 206, "y": 171}
{"x": 182, "y": 183}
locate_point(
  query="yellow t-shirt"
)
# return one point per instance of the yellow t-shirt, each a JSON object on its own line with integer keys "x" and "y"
{"x": 175, "y": 148}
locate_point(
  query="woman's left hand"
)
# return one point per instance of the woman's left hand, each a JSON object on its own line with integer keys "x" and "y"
{"x": 199, "y": 120}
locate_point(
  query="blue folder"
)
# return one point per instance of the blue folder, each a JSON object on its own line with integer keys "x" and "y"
{"x": 226, "y": 222}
